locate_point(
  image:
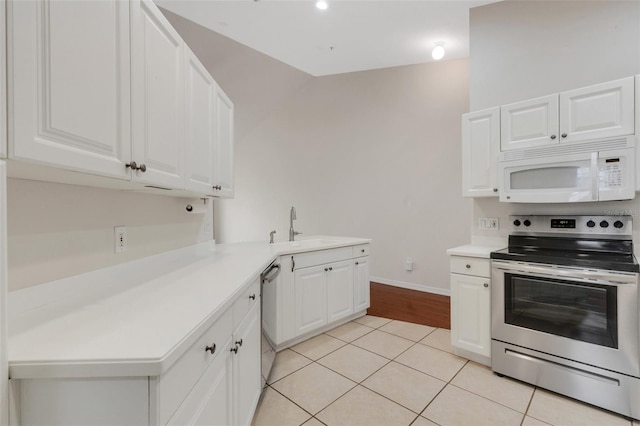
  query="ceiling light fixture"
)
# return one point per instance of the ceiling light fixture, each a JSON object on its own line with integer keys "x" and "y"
{"x": 438, "y": 52}
{"x": 322, "y": 4}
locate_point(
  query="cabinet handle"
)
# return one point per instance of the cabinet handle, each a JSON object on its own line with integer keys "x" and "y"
{"x": 495, "y": 189}
{"x": 553, "y": 136}
{"x": 252, "y": 297}
{"x": 134, "y": 166}
{"x": 234, "y": 349}
{"x": 564, "y": 135}
{"x": 362, "y": 250}
{"x": 326, "y": 269}
{"x": 468, "y": 266}
{"x": 293, "y": 263}
{"x": 211, "y": 349}
{"x": 239, "y": 342}
{"x": 356, "y": 263}
{"x": 486, "y": 285}
{"x": 218, "y": 187}
{"x": 330, "y": 268}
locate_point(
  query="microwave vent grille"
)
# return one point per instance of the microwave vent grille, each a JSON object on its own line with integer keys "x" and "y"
{"x": 566, "y": 149}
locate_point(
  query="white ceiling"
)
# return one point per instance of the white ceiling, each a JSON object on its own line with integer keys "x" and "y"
{"x": 351, "y": 35}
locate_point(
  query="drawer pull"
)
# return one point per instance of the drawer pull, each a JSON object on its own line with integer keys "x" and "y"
{"x": 211, "y": 349}
{"x": 330, "y": 268}
{"x": 239, "y": 342}
{"x": 326, "y": 269}
{"x": 252, "y": 297}
{"x": 486, "y": 285}
{"x": 468, "y": 266}
{"x": 234, "y": 349}
{"x": 362, "y": 250}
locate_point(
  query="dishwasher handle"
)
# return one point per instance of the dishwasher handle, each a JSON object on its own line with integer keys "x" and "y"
{"x": 271, "y": 273}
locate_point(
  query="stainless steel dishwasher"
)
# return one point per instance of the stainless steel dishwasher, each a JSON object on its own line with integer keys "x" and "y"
{"x": 267, "y": 278}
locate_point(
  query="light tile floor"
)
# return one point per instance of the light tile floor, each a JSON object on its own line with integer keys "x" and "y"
{"x": 376, "y": 371}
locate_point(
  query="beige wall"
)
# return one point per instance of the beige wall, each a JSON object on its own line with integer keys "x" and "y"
{"x": 521, "y": 50}
{"x": 57, "y": 230}
{"x": 369, "y": 154}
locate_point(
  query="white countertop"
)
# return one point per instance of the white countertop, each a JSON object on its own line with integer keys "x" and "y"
{"x": 481, "y": 249}
{"x": 136, "y": 318}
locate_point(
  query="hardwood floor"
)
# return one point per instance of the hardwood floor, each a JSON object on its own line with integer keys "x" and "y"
{"x": 410, "y": 305}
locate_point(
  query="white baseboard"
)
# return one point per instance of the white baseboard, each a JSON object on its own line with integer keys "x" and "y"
{"x": 412, "y": 286}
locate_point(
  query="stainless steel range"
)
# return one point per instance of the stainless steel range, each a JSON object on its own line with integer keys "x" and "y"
{"x": 564, "y": 309}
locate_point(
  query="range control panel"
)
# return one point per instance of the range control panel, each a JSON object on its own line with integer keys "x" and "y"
{"x": 568, "y": 224}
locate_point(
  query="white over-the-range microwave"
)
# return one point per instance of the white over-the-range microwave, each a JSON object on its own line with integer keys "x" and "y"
{"x": 601, "y": 170}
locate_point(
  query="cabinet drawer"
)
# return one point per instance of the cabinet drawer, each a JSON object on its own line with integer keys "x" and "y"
{"x": 177, "y": 382}
{"x": 361, "y": 250}
{"x": 249, "y": 297}
{"x": 320, "y": 257}
{"x": 471, "y": 266}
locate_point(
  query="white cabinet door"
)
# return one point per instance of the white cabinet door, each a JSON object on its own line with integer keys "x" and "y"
{"x": 218, "y": 407}
{"x": 480, "y": 150}
{"x": 199, "y": 121}
{"x": 339, "y": 279}
{"x": 246, "y": 367}
{"x": 530, "y": 123}
{"x": 311, "y": 299}
{"x": 361, "y": 284}
{"x": 70, "y": 85}
{"x": 470, "y": 313}
{"x": 223, "y": 153}
{"x": 3, "y": 86}
{"x": 210, "y": 402}
{"x": 157, "y": 67}
{"x": 600, "y": 111}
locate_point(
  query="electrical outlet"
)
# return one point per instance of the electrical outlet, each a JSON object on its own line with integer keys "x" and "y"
{"x": 120, "y": 237}
{"x": 488, "y": 223}
{"x": 408, "y": 264}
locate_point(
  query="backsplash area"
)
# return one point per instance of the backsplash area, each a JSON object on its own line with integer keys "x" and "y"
{"x": 57, "y": 230}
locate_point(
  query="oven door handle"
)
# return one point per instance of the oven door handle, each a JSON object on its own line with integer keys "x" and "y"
{"x": 575, "y": 273}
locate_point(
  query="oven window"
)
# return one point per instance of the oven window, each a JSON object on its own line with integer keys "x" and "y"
{"x": 579, "y": 311}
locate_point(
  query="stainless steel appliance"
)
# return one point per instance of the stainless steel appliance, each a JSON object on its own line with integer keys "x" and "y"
{"x": 267, "y": 347}
{"x": 564, "y": 308}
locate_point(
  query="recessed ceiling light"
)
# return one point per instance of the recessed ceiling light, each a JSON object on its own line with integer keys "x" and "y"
{"x": 322, "y": 4}
{"x": 438, "y": 52}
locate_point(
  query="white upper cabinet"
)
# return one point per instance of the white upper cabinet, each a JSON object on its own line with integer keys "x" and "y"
{"x": 3, "y": 84}
{"x": 223, "y": 152}
{"x": 480, "y": 148}
{"x": 600, "y": 111}
{"x": 200, "y": 126}
{"x": 529, "y": 123}
{"x": 69, "y": 84}
{"x": 157, "y": 65}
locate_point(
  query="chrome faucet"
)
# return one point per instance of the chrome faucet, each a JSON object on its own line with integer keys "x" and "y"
{"x": 292, "y": 217}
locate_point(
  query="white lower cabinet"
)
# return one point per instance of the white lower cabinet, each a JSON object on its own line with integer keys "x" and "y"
{"x": 316, "y": 291}
{"x": 471, "y": 308}
{"x": 216, "y": 381}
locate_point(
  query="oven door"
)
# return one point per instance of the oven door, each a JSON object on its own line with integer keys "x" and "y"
{"x": 588, "y": 316}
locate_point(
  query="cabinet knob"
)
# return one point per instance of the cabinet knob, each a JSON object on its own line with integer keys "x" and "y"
{"x": 330, "y": 268}
{"x": 134, "y": 166}
{"x": 252, "y": 297}
{"x": 211, "y": 349}
{"x": 564, "y": 135}
{"x": 486, "y": 285}
{"x": 468, "y": 266}
{"x": 361, "y": 250}
{"x": 495, "y": 189}
{"x": 357, "y": 263}
{"x": 553, "y": 136}
{"x": 234, "y": 349}
{"x": 326, "y": 269}
{"x": 239, "y": 342}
